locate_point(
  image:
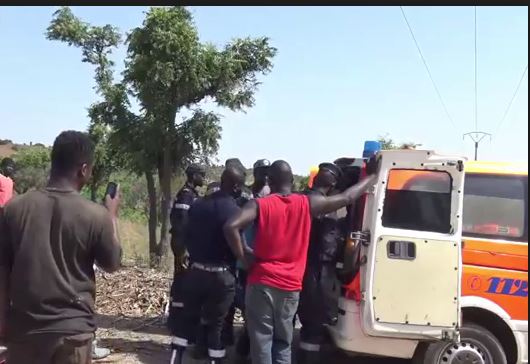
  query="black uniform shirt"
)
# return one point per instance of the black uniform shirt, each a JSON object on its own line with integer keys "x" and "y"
{"x": 205, "y": 239}
{"x": 182, "y": 203}
{"x": 325, "y": 237}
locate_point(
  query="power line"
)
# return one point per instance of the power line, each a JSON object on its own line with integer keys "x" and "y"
{"x": 427, "y": 68}
{"x": 512, "y": 99}
{"x": 476, "y": 78}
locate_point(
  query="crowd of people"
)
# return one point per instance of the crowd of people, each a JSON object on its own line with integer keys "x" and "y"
{"x": 264, "y": 249}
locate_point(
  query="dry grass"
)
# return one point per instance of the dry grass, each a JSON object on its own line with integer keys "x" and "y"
{"x": 135, "y": 242}
{"x": 6, "y": 150}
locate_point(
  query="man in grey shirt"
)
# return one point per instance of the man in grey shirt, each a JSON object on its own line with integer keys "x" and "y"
{"x": 49, "y": 242}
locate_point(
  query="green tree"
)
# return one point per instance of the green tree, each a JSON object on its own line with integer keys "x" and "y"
{"x": 32, "y": 167}
{"x": 169, "y": 72}
{"x": 388, "y": 143}
{"x": 97, "y": 44}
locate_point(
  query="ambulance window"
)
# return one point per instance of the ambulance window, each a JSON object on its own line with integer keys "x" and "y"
{"x": 495, "y": 206}
{"x": 418, "y": 200}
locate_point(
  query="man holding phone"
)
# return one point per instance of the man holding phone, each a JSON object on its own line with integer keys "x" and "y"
{"x": 49, "y": 242}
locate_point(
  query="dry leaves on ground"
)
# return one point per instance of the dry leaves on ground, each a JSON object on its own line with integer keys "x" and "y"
{"x": 132, "y": 292}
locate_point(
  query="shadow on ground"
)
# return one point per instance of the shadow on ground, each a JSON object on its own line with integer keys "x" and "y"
{"x": 147, "y": 325}
{"x": 138, "y": 340}
{"x": 145, "y": 352}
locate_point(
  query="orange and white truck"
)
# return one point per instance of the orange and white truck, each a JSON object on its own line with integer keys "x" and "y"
{"x": 442, "y": 263}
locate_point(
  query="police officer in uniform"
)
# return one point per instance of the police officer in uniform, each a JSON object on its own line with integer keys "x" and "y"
{"x": 318, "y": 299}
{"x": 209, "y": 286}
{"x": 184, "y": 199}
{"x": 195, "y": 175}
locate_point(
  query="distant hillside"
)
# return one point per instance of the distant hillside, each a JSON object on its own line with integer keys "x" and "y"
{"x": 8, "y": 148}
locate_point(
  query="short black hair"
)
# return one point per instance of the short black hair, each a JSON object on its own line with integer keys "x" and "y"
{"x": 280, "y": 173}
{"x": 70, "y": 150}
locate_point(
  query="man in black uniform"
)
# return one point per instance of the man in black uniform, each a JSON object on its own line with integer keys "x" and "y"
{"x": 318, "y": 297}
{"x": 179, "y": 213}
{"x": 186, "y": 196}
{"x": 209, "y": 285}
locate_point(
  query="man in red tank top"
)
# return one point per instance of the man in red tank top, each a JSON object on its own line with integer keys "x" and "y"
{"x": 278, "y": 261}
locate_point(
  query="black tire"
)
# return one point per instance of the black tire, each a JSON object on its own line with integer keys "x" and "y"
{"x": 471, "y": 333}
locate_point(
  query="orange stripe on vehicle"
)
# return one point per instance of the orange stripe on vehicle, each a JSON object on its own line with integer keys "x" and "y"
{"x": 495, "y": 260}
{"x": 500, "y": 247}
{"x": 508, "y": 289}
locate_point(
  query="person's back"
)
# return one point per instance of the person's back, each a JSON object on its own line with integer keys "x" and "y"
{"x": 55, "y": 236}
{"x": 49, "y": 242}
{"x": 281, "y": 243}
{"x": 205, "y": 240}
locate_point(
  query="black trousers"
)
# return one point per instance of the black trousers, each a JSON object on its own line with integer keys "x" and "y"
{"x": 318, "y": 305}
{"x": 207, "y": 299}
{"x": 176, "y": 308}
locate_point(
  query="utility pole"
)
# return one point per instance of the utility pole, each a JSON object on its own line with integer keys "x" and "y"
{"x": 477, "y": 137}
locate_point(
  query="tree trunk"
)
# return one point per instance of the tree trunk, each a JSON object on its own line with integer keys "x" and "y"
{"x": 153, "y": 219}
{"x": 165, "y": 205}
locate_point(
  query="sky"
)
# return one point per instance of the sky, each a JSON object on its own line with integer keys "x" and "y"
{"x": 342, "y": 75}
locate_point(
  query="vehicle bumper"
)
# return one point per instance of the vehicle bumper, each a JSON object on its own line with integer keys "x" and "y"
{"x": 522, "y": 344}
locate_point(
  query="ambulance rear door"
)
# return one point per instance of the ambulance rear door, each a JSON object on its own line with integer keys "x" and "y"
{"x": 411, "y": 272}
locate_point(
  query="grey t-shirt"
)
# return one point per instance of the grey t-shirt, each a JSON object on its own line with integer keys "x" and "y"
{"x": 49, "y": 242}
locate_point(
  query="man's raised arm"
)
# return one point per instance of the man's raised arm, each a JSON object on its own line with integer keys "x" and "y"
{"x": 325, "y": 204}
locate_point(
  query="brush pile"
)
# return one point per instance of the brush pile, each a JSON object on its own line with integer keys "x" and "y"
{"x": 132, "y": 292}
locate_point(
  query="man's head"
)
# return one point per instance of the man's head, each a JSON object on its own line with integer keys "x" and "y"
{"x": 328, "y": 176}
{"x": 196, "y": 175}
{"x": 73, "y": 158}
{"x": 232, "y": 181}
{"x": 7, "y": 167}
{"x": 281, "y": 177}
{"x": 235, "y": 163}
{"x": 261, "y": 173}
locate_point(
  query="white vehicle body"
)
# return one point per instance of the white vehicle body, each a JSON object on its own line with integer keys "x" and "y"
{"x": 403, "y": 299}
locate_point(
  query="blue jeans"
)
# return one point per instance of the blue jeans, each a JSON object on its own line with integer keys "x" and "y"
{"x": 270, "y": 313}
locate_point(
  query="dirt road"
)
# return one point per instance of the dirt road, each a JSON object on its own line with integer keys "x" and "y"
{"x": 145, "y": 341}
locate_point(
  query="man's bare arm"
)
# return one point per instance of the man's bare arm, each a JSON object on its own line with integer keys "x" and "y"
{"x": 326, "y": 204}
{"x": 237, "y": 223}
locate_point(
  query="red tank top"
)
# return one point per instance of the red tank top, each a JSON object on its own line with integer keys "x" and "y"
{"x": 282, "y": 241}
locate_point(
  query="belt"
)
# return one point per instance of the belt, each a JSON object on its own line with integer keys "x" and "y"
{"x": 210, "y": 267}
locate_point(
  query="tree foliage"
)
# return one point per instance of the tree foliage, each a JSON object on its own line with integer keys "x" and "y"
{"x": 32, "y": 167}
{"x": 388, "y": 143}
{"x": 169, "y": 72}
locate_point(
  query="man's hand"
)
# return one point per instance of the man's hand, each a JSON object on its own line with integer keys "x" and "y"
{"x": 250, "y": 258}
{"x": 113, "y": 204}
{"x": 373, "y": 166}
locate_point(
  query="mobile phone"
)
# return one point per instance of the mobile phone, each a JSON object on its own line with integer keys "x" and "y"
{"x": 112, "y": 188}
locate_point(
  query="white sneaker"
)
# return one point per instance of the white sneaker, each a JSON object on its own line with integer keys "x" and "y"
{"x": 99, "y": 353}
